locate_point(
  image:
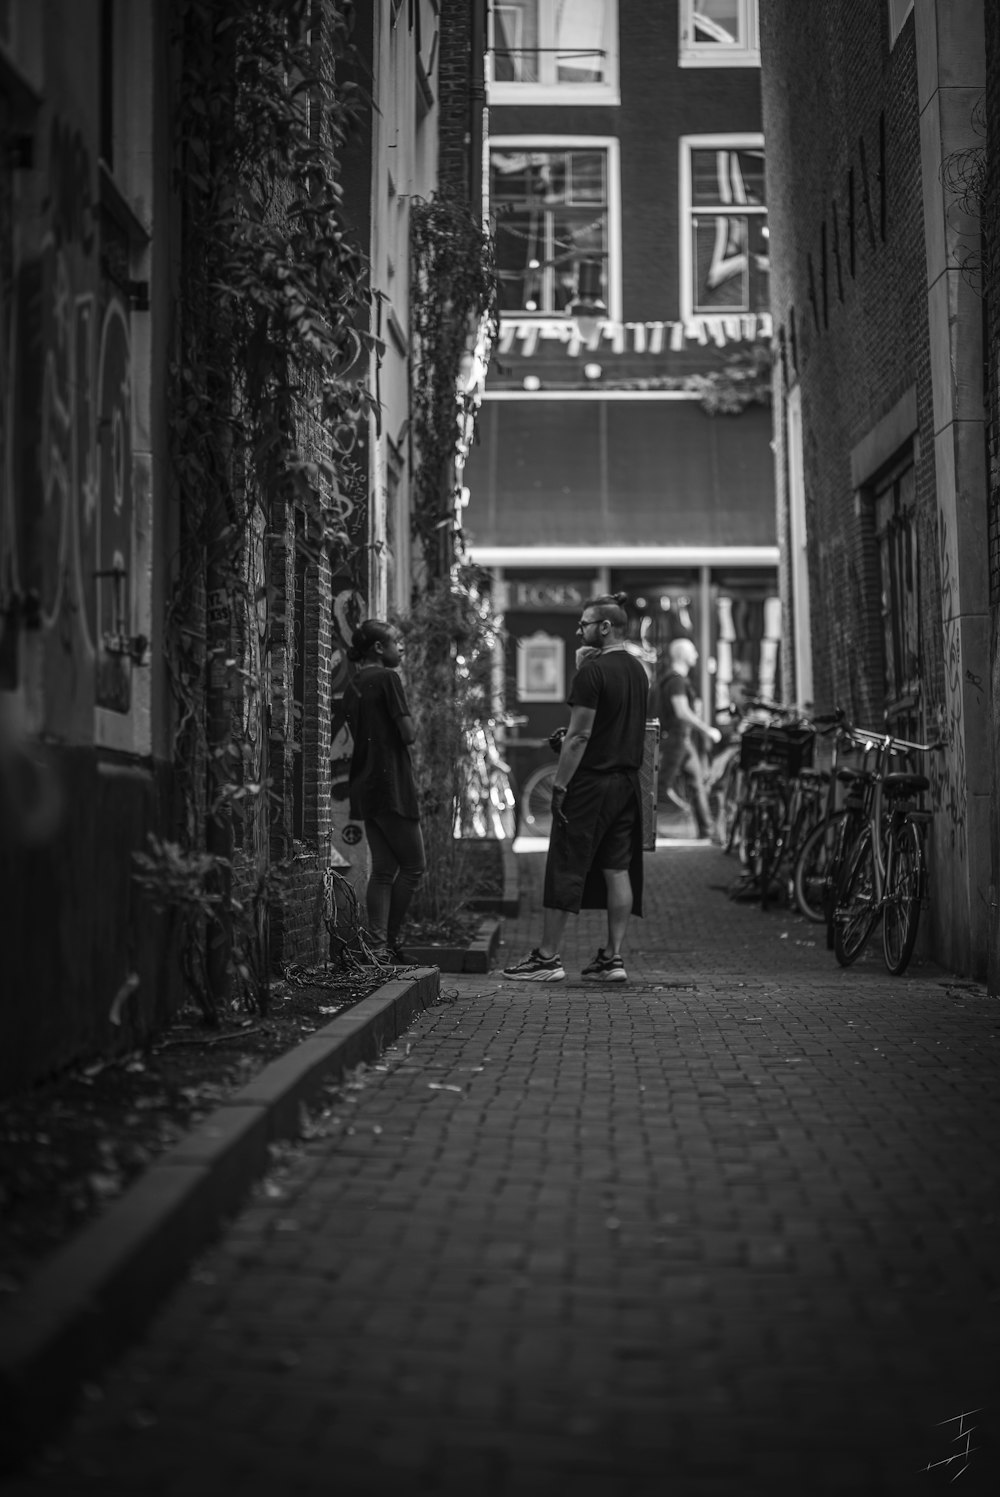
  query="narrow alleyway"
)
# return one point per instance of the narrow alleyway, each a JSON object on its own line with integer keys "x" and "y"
{"x": 731, "y": 1230}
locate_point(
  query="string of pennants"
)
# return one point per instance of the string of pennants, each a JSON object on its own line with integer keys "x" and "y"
{"x": 523, "y": 338}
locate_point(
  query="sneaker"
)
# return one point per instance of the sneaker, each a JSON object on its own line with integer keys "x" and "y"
{"x": 537, "y": 968}
{"x": 605, "y": 968}
{"x": 595, "y": 967}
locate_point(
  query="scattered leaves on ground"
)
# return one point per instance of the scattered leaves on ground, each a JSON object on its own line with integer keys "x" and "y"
{"x": 71, "y": 1145}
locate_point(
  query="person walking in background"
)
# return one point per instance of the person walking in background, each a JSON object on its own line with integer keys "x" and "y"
{"x": 594, "y": 859}
{"x": 678, "y": 719}
{"x": 381, "y": 785}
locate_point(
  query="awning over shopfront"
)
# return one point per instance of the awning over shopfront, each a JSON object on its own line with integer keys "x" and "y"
{"x": 619, "y": 473}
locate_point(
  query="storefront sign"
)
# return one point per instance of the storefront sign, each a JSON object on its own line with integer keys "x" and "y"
{"x": 542, "y": 594}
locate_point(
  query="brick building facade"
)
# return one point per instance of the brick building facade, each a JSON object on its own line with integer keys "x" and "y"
{"x": 870, "y": 111}
{"x": 627, "y": 175}
{"x": 92, "y": 746}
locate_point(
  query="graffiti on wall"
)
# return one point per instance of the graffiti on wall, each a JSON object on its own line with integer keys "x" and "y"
{"x": 66, "y": 547}
{"x": 949, "y": 787}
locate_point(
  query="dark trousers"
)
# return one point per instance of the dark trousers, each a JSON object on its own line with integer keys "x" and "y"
{"x": 679, "y": 756}
{"x": 398, "y": 863}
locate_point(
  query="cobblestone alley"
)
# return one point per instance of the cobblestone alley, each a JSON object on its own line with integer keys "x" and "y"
{"x": 730, "y": 1230}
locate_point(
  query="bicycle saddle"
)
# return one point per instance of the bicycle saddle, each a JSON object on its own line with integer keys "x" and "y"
{"x": 904, "y": 784}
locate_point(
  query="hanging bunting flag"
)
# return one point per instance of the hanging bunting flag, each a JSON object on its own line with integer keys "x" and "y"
{"x": 633, "y": 337}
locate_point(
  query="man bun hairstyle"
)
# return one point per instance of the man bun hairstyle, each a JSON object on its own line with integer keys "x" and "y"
{"x": 366, "y": 635}
{"x": 611, "y": 606}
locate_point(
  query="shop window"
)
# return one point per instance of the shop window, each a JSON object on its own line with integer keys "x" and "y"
{"x": 899, "y": 577}
{"x": 554, "y": 52}
{"x": 719, "y": 34}
{"x": 725, "y": 263}
{"x": 555, "y": 204}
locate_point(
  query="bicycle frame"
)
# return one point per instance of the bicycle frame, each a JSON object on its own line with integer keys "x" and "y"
{"x": 880, "y": 831}
{"x": 885, "y": 745}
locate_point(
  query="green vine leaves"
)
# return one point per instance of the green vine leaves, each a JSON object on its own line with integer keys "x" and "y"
{"x": 268, "y": 403}
{"x": 453, "y": 292}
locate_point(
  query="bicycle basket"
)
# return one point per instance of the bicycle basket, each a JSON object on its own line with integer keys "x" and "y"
{"x": 791, "y": 748}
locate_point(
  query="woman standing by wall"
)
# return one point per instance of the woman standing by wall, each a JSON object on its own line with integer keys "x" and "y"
{"x": 382, "y": 790}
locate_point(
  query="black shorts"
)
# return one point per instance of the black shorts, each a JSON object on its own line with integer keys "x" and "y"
{"x": 604, "y": 827}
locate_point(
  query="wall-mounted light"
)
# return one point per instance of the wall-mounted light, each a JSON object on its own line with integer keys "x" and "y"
{"x": 588, "y": 311}
{"x": 592, "y": 371}
{"x": 531, "y": 382}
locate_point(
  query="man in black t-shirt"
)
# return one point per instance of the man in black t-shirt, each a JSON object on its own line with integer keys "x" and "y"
{"x": 676, "y": 701}
{"x": 595, "y": 847}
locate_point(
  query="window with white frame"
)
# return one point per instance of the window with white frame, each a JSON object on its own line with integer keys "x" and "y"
{"x": 555, "y": 206}
{"x": 724, "y": 234}
{"x": 554, "y": 51}
{"x": 719, "y": 34}
{"x": 898, "y": 12}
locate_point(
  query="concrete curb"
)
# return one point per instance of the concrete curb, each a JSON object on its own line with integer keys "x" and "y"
{"x": 477, "y": 955}
{"x": 95, "y": 1294}
{"x": 508, "y": 902}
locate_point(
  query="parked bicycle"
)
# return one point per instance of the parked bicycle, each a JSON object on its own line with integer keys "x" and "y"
{"x": 884, "y": 873}
{"x": 486, "y": 807}
{"x": 780, "y": 797}
{"x": 821, "y": 857}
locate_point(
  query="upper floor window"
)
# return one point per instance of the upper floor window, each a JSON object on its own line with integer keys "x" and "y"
{"x": 719, "y": 34}
{"x": 554, "y": 52}
{"x": 724, "y": 234}
{"x": 898, "y": 12}
{"x": 555, "y": 205}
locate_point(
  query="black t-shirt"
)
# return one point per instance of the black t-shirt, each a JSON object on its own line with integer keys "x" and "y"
{"x": 381, "y": 778}
{"x": 671, "y": 686}
{"x": 616, "y": 686}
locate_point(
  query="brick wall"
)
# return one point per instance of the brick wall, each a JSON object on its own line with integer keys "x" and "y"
{"x": 849, "y": 301}
{"x": 991, "y": 252}
{"x": 660, "y": 102}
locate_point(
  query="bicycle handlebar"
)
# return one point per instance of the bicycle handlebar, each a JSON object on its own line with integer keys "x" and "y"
{"x": 881, "y": 739}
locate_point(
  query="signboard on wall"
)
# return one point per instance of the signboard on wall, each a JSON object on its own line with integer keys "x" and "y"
{"x": 541, "y": 668}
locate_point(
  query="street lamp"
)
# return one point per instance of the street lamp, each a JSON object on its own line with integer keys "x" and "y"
{"x": 588, "y": 311}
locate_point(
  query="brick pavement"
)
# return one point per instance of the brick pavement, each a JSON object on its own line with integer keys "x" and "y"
{"x": 731, "y": 1230}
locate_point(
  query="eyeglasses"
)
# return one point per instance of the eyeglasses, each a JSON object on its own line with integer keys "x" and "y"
{"x": 585, "y": 624}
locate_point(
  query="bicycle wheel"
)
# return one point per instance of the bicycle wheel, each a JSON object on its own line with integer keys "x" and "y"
{"x": 815, "y": 865}
{"x": 536, "y": 801}
{"x": 808, "y": 815}
{"x": 748, "y": 837}
{"x": 791, "y": 835}
{"x": 901, "y": 914}
{"x": 766, "y": 851}
{"x": 724, "y": 800}
{"x": 856, "y": 909}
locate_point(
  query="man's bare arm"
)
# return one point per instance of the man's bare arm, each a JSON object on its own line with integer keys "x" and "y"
{"x": 581, "y": 721}
{"x": 682, "y": 708}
